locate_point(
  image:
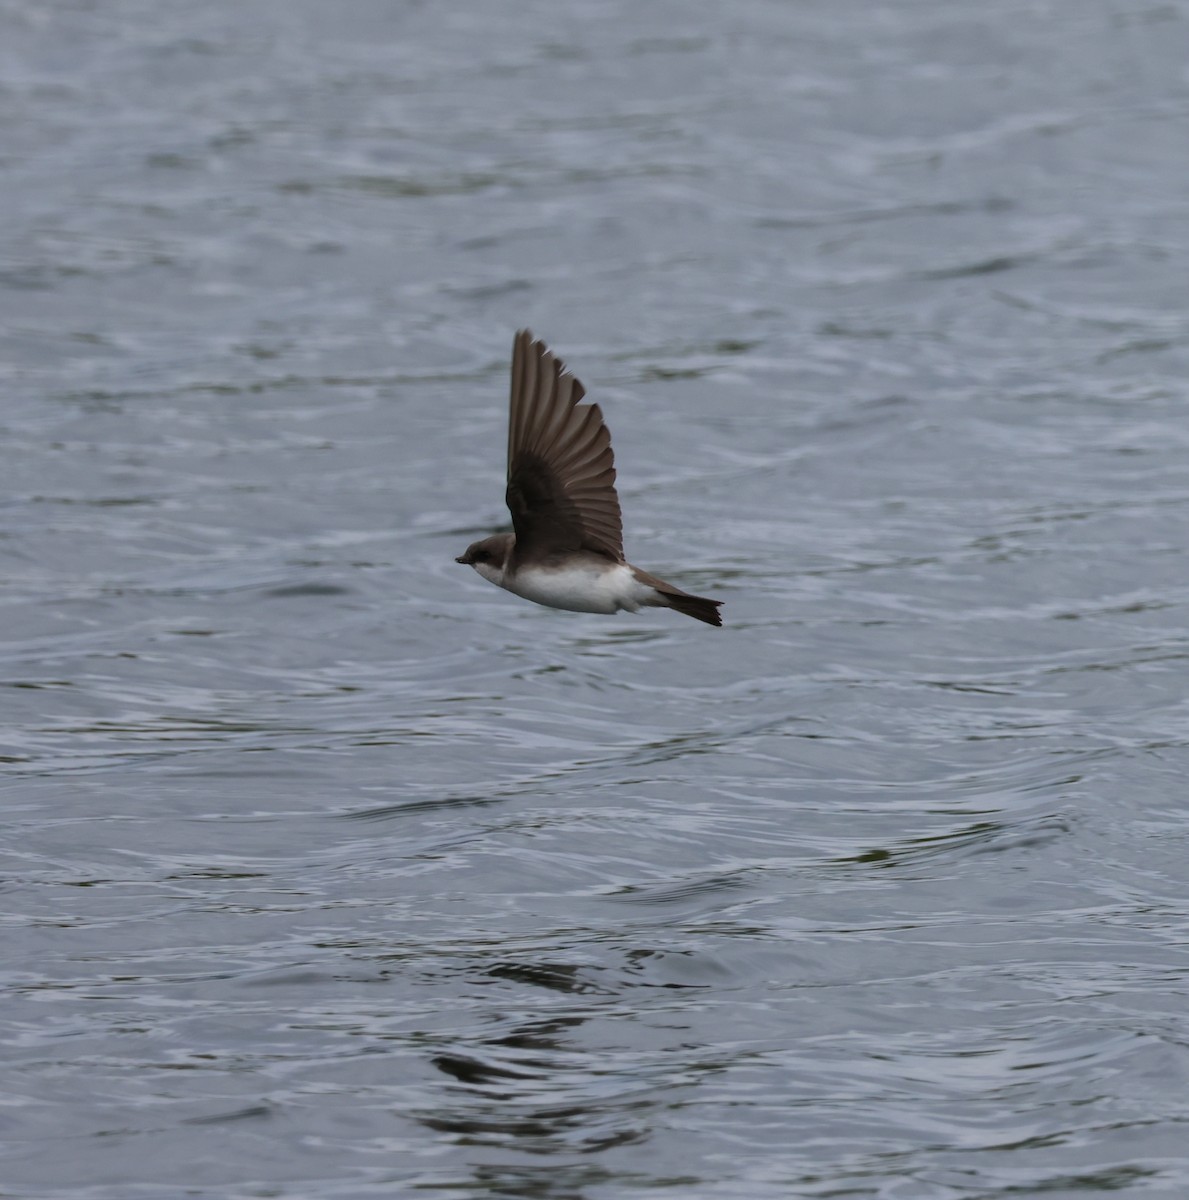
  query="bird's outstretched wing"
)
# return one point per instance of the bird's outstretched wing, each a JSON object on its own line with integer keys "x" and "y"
{"x": 561, "y": 472}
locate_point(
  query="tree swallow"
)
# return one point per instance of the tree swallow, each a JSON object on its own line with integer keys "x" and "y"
{"x": 567, "y": 548}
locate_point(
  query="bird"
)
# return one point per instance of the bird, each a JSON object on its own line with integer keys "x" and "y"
{"x": 566, "y": 545}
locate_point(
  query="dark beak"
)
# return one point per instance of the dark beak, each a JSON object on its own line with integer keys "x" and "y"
{"x": 462, "y": 558}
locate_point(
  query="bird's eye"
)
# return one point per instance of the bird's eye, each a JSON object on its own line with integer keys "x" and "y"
{"x": 480, "y": 556}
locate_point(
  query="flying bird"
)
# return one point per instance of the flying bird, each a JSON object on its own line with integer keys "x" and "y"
{"x": 566, "y": 550}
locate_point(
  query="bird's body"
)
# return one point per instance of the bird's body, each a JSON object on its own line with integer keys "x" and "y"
{"x": 581, "y": 583}
{"x": 567, "y": 548}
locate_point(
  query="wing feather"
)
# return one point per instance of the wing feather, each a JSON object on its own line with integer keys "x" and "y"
{"x": 561, "y": 470}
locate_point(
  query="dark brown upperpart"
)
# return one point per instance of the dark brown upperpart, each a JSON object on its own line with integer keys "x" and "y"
{"x": 561, "y": 471}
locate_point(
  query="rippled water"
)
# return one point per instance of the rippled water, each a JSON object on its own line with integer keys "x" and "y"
{"x": 331, "y": 871}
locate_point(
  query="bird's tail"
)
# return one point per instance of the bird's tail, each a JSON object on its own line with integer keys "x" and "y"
{"x": 697, "y": 607}
{"x": 668, "y": 596}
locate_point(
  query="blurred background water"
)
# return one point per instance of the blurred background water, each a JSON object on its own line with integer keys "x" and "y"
{"x": 331, "y": 871}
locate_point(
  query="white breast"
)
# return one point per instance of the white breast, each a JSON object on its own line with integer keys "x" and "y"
{"x": 583, "y": 588}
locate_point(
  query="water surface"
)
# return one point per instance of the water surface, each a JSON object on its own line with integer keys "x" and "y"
{"x": 331, "y": 871}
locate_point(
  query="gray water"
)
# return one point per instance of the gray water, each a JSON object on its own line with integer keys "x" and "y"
{"x": 330, "y": 870}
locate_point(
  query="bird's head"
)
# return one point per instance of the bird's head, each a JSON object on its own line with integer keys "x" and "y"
{"x": 489, "y": 556}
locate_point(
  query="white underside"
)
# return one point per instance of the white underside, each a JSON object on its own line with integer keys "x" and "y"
{"x": 585, "y": 588}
